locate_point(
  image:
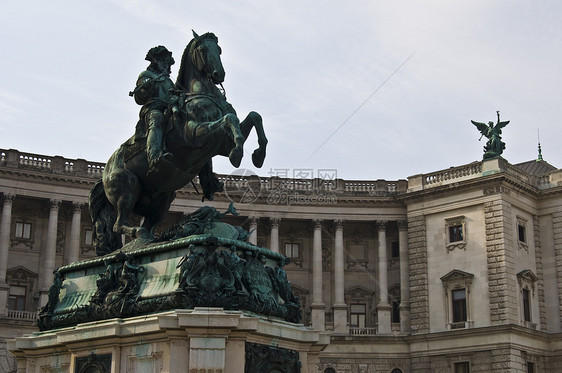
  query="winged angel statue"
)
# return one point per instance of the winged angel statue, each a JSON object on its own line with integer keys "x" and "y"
{"x": 495, "y": 146}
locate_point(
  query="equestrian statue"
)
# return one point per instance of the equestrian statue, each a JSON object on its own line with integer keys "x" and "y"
{"x": 181, "y": 127}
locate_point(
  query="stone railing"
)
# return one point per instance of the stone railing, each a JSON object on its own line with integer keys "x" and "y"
{"x": 362, "y": 331}
{"x": 453, "y": 174}
{"x": 56, "y": 165}
{"x": 480, "y": 169}
{"x": 80, "y": 167}
{"x": 22, "y": 315}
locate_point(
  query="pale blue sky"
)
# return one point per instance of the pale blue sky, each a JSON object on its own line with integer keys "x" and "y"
{"x": 306, "y": 67}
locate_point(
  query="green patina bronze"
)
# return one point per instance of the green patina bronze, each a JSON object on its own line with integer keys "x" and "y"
{"x": 494, "y": 147}
{"x": 210, "y": 267}
{"x": 181, "y": 127}
{"x": 200, "y": 262}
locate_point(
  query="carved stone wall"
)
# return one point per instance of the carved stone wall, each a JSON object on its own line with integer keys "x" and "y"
{"x": 419, "y": 292}
{"x": 7, "y": 360}
{"x": 501, "y": 272}
{"x": 557, "y": 226}
{"x": 540, "y": 282}
{"x": 354, "y": 365}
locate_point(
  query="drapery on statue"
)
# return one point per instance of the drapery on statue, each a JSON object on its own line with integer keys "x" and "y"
{"x": 198, "y": 123}
{"x": 494, "y": 147}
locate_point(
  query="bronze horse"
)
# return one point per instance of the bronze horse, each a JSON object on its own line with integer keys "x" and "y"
{"x": 204, "y": 125}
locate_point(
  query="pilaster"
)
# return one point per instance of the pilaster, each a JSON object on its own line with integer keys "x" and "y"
{"x": 383, "y": 307}
{"x": 253, "y": 239}
{"x": 5, "y": 226}
{"x": 48, "y": 256}
{"x": 404, "y": 307}
{"x": 340, "y": 308}
{"x": 274, "y": 241}
{"x": 317, "y": 306}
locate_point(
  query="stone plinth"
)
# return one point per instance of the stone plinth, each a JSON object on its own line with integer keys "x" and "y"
{"x": 198, "y": 340}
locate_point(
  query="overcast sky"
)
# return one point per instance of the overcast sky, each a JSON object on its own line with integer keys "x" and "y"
{"x": 373, "y": 89}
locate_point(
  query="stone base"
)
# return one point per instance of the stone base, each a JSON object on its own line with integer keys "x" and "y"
{"x": 384, "y": 318}
{"x": 198, "y": 340}
{"x": 340, "y": 319}
{"x": 318, "y": 316}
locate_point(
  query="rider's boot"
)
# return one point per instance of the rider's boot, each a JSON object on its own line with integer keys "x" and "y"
{"x": 154, "y": 150}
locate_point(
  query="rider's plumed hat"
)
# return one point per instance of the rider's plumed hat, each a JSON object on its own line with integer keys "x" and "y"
{"x": 157, "y": 53}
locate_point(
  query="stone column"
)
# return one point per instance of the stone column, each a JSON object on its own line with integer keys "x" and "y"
{"x": 74, "y": 250}
{"x": 340, "y": 308}
{"x": 383, "y": 307}
{"x": 317, "y": 306}
{"x": 5, "y": 226}
{"x": 49, "y": 254}
{"x": 404, "y": 277}
{"x": 253, "y": 239}
{"x": 274, "y": 242}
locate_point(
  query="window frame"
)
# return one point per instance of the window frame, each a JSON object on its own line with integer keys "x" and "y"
{"x": 351, "y": 314}
{"x": 297, "y": 260}
{"x": 464, "y": 365}
{"x": 460, "y": 222}
{"x": 453, "y": 281}
{"x": 526, "y": 280}
{"x": 521, "y": 230}
{"x": 22, "y": 235}
{"x": 459, "y": 306}
{"x": 85, "y": 240}
{"x": 21, "y": 299}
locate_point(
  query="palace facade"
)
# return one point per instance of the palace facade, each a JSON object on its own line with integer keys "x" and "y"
{"x": 459, "y": 270}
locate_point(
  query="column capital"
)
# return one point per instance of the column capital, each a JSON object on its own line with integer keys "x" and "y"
{"x": 9, "y": 197}
{"x": 402, "y": 225}
{"x": 274, "y": 221}
{"x": 77, "y": 206}
{"x": 54, "y": 204}
{"x": 339, "y": 223}
{"x": 381, "y": 225}
{"x": 253, "y": 219}
{"x": 317, "y": 223}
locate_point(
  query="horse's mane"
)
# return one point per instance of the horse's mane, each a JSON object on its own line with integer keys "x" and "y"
{"x": 186, "y": 60}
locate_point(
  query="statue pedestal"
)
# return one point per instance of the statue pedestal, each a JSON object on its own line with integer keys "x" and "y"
{"x": 205, "y": 302}
{"x": 198, "y": 340}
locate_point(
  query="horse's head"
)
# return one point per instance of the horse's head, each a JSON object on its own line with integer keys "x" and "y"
{"x": 205, "y": 55}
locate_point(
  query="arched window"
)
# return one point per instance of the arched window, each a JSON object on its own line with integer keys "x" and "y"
{"x": 329, "y": 370}
{"x": 396, "y": 370}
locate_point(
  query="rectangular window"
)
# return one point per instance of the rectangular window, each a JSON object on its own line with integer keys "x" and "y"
{"x": 463, "y": 367}
{"x": 455, "y": 233}
{"x": 23, "y": 230}
{"x": 357, "y": 315}
{"x": 88, "y": 237}
{"x": 16, "y": 299}
{"x": 530, "y": 367}
{"x": 526, "y": 305}
{"x": 292, "y": 250}
{"x": 395, "y": 251}
{"x": 459, "y": 305}
{"x": 395, "y": 311}
{"x": 522, "y": 233}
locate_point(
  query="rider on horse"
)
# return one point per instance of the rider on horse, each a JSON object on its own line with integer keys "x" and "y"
{"x": 154, "y": 91}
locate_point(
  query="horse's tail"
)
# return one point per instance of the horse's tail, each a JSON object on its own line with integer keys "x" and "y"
{"x": 103, "y": 217}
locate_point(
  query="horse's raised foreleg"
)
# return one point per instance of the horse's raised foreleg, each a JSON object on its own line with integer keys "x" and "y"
{"x": 232, "y": 122}
{"x": 254, "y": 120}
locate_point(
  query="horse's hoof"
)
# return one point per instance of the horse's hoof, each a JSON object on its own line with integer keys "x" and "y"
{"x": 235, "y": 156}
{"x": 258, "y": 156}
{"x": 140, "y": 232}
